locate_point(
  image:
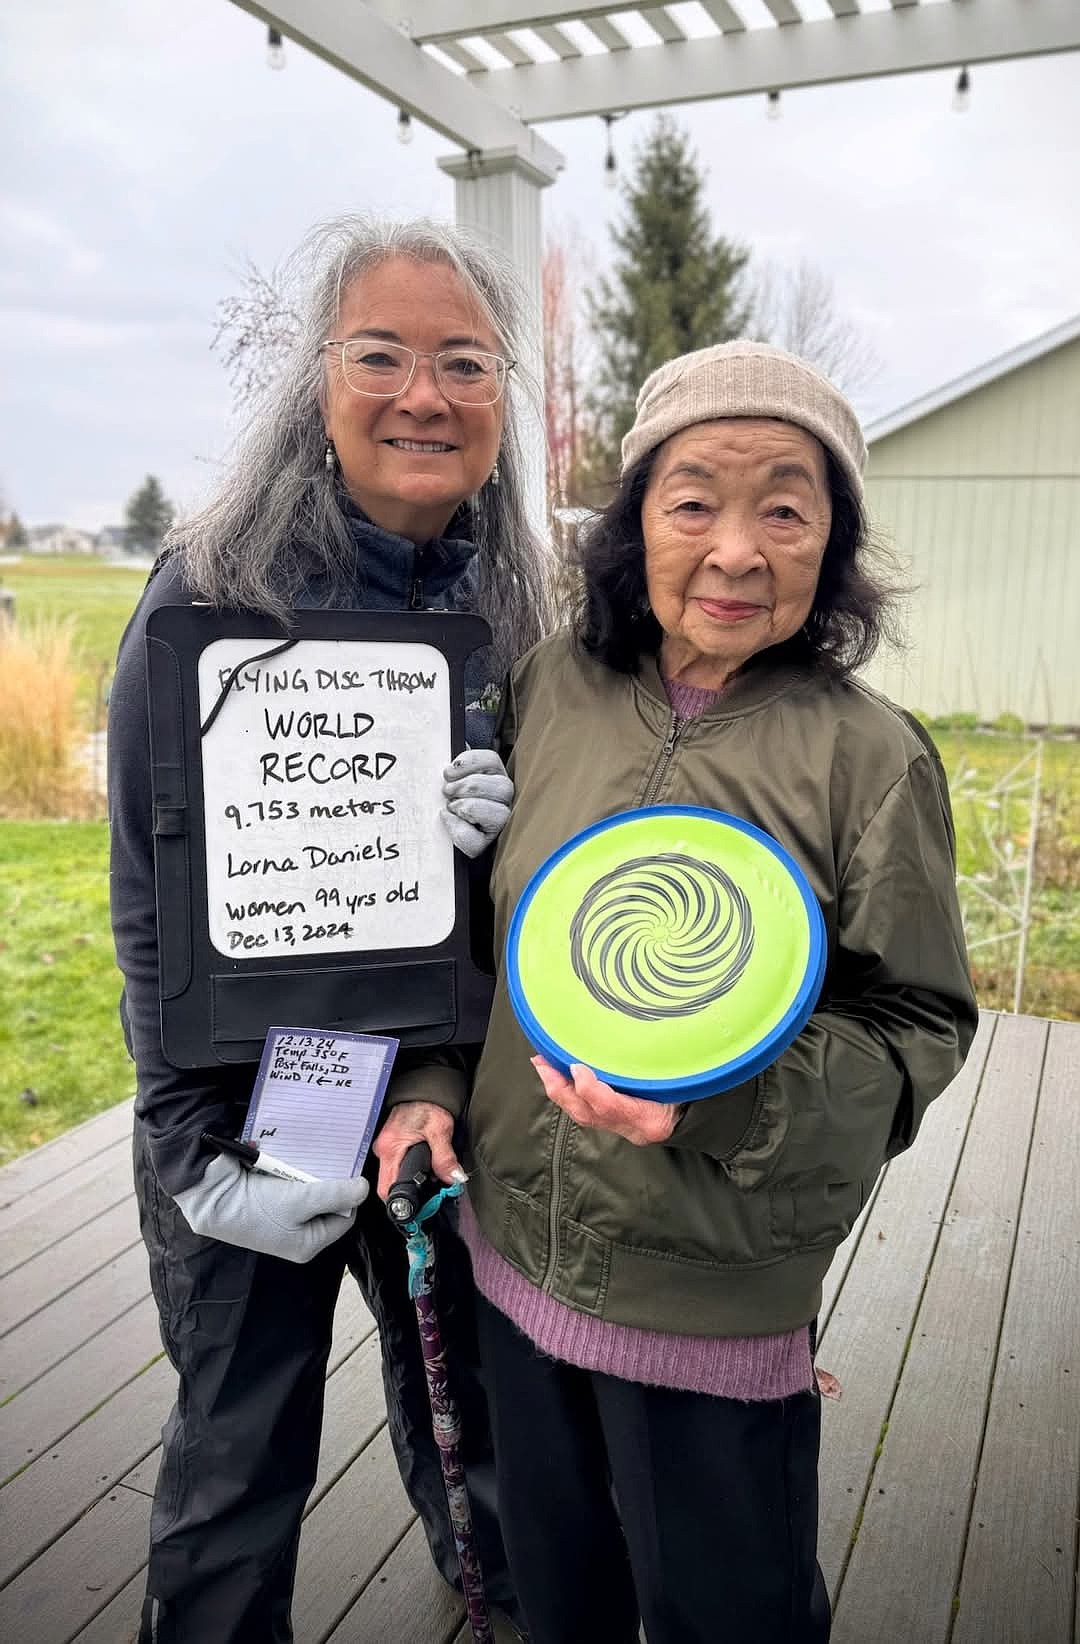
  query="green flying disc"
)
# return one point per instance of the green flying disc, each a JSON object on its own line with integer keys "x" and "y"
{"x": 675, "y": 951}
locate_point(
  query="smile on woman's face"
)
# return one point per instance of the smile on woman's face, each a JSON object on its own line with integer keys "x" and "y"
{"x": 736, "y": 517}
{"x": 409, "y": 462}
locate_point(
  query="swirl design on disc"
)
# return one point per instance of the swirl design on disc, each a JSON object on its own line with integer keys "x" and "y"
{"x": 662, "y": 936}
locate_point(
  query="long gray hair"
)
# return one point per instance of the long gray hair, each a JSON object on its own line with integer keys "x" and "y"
{"x": 277, "y": 515}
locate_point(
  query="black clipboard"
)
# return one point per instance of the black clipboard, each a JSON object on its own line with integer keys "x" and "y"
{"x": 212, "y": 725}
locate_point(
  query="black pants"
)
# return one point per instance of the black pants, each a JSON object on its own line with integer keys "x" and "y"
{"x": 714, "y": 1535}
{"x": 250, "y": 1337}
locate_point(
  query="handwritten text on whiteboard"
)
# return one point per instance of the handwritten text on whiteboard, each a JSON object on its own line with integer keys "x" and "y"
{"x": 322, "y": 781}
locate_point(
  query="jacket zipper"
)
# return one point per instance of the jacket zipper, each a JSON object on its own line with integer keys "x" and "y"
{"x": 416, "y": 593}
{"x": 562, "y": 1135}
{"x": 656, "y": 780}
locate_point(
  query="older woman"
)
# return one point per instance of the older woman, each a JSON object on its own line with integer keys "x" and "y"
{"x": 383, "y": 471}
{"x": 652, "y": 1272}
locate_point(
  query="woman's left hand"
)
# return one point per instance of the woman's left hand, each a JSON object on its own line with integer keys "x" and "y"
{"x": 478, "y": 794}
{"x": 591, "y": 1102}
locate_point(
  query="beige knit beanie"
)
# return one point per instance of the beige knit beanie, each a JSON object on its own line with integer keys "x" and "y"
{"x": 745, "y": 379}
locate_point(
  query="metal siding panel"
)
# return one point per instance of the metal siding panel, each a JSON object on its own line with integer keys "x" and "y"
{"x": 1027, "y": 422}
{"x": 992, "y": 623}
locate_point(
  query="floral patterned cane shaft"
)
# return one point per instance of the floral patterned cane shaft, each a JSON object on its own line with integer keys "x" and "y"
{"x": 445, "y": 1420}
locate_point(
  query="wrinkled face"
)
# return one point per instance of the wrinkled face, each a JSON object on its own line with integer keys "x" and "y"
{"x": 736, "y": 516}
{"x": 410, "y": 462}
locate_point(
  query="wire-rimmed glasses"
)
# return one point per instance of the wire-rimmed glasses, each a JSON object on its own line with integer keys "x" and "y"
{"x": 383, "y": 370}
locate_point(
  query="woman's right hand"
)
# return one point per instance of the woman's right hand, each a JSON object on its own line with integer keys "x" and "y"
{"x": 407, "y": 1124}
{"x": 592, "y": 1103}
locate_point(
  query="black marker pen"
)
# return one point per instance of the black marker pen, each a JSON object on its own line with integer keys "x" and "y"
{"x": 255, "y": 1159}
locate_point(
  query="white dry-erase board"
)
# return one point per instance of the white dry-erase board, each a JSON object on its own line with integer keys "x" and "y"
{"x": 302, "y": 871}
{"x": 321, "y": 790}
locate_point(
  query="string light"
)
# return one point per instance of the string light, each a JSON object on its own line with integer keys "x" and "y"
{"x": 275, "y": 51}
{"x": 773, "y": 110}
{"x": 404, "y": 126}
{"x": 611, "y": 164}
{"x": 961, "y": 97}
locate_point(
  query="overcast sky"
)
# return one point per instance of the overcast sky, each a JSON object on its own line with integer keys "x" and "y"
{"x": 149, "y": 151}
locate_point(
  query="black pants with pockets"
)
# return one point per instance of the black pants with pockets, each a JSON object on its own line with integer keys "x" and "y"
{"x": 250, "y": 1337}
{"x": 618, "y": 1501}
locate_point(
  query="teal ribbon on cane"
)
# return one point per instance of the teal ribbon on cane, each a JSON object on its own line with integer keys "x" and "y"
{"x": 418, "y": 1243}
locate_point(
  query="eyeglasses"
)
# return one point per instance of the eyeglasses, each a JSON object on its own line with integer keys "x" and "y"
{"x": 383, "y": 370}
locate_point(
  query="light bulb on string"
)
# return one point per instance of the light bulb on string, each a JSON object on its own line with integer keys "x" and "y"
{"x": 611, "y": 164}
{"x": 961, "y": 97}
{"x": 773, "y": 110}
{"x": 404, "y": 126}
{"x": 275, "y": 51}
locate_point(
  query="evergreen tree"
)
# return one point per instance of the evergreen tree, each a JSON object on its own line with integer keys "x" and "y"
{"x": 674, "y": 286}
{"x": 147, "y": 517}
{"x": 16, "y": 533}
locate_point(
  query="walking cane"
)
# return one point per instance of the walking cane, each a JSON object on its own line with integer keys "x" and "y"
{"x": 407, "y": 1210}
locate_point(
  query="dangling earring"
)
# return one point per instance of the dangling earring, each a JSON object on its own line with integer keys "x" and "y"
{"x": 330, "y": 458}
{"x": 494, "y": 476}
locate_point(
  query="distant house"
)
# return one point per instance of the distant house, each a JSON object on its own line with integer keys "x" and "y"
{"x": 977, "y": 486}
{"x": 59, "y": 539}
{"x": 112, "y": 540}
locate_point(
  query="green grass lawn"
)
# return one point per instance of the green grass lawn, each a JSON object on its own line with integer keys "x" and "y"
{"x": 99, "y": 597}
{"x": 60, "y": 1037}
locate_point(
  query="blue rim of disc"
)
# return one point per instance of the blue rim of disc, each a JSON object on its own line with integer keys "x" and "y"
{"x": 711, "y": 1081}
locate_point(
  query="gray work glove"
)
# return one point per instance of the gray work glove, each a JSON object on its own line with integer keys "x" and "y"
{"x": 294, "y": 1220}
{"x": 478, "y": 793}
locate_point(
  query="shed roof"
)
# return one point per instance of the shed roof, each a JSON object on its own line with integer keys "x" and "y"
{"x": 989, "y": 372}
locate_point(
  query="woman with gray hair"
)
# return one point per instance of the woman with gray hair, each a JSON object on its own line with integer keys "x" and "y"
{"x": 383, "y": 470}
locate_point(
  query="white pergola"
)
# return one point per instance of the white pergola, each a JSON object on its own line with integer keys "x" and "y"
{"x": 484, "y": 73}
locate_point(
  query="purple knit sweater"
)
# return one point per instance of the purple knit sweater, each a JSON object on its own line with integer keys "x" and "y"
{"x": 733, "y": 1367}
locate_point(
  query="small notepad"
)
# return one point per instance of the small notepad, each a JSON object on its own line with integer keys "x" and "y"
{"x": 317, "y": 1098}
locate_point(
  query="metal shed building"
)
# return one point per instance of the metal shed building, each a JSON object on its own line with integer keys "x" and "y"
{"x": 977, "y": 487}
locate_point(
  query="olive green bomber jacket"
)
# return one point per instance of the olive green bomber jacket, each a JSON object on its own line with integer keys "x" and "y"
{"x": 729, "y": 1227}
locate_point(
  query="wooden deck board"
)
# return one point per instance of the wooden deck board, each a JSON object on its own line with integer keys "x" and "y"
{"x": 40, "y": 1223}
{"x": 46, "y": 1207}
{"x": 118, "y": 1622}
{"x": 920, "y": 1492}
{"x": 347, "y": 1539}
{"x": 54, "y": 1272}
{"x": 864, "y": 1341}
{"x": 838, "y": 1270}
{"x": 63, "y": 1589}
{"x": 52, "y": 1161}
{"x": 45, "y": 1412}
{"x": 965, "y": 1311}
{"x": 33, "y": 1347}
{"x": 1019, "y": 1579}
{"x": 44, "y": 1500}
{"x": 407, "y": 1602}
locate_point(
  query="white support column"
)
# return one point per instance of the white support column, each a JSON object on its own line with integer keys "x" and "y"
{"x": 498, "y": 192}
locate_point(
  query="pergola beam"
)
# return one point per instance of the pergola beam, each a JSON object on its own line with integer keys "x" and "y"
{"x": 899, "y": 41}
{"x": 449, "y": 19}
{"x": 364, "y": 46}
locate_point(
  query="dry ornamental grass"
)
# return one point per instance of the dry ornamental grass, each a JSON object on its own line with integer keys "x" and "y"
{"x": 42, "y": 771}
